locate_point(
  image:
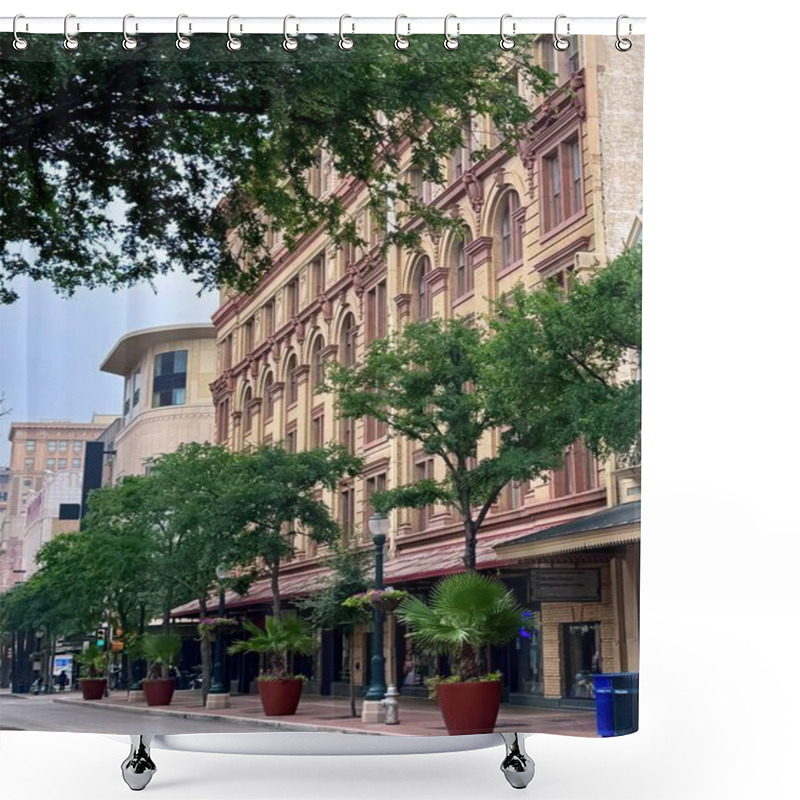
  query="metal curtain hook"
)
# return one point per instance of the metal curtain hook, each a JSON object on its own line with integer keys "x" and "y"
{"x": 128, "y": 42}
{"x": 559, "y": 42}
{"x": 344, "y": 41}
{"x": 506, "y": 42}
{"x": 19, "y": 42}
{"x": 70, "y": 42}
{"x": 288, "y": 42}
{"x": 623, "y": 45}
{"x": 400, "y": 42}
{"x": 451, "y": 42}
{"x": 182, "y": 43}
{"x": 233, "y": 43}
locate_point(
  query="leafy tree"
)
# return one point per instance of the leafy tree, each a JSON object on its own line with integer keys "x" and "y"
{"x": 432, "y": 383}
{"x": 325, "y": 607}
{"x": 275, "y": 496}
{"x": 196, "y": 526}
{"x": 118, "y": 166}
{"x": 558, "y": 358}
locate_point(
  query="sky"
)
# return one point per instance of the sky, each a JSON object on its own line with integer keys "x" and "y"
{"x": 51, "y": 347}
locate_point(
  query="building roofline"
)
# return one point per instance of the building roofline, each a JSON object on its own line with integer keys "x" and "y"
{"x": 126, "y": 352}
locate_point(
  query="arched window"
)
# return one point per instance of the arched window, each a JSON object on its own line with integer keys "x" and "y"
{"x": 247, "y": 410}
{"x": 462, "y": 267}
{"x": 291, "y": 379}
{"x": 510, "y": 230}
{"x": 422, "y": 300}
{"x": 349, "y": 340}
{"x": 317, "y": 364}
{"x": 269, "y": 401}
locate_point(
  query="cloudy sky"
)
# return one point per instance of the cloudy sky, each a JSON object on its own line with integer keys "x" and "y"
{"x": 51, "y": 347}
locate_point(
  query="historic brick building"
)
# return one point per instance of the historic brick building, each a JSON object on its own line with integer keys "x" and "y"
{"x": 564, "y": 203}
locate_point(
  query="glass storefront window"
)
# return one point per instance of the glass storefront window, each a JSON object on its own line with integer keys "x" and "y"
{"x": 581, "y": 658}
{"x": 529, "y": 653}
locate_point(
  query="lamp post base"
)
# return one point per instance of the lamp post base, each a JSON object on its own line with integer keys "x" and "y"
{"x": 372, "y": 711}
{"x": 218, "y": 700}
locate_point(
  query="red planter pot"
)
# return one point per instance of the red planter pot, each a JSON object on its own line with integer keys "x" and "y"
{"x": 280, "y": 698}
{"x": 93, "y": 688}
{"x": 158, "y": 691}
{"x": 469, "y": 707}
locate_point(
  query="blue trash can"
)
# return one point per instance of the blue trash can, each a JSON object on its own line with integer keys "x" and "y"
{"x": 617, "y": 703}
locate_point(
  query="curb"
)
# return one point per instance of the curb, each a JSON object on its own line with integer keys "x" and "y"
{"x": 256, "y": 723}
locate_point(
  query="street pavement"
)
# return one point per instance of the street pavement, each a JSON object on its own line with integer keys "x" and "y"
{"x": 114, "y": 714}
{"x": 41, "y": 713}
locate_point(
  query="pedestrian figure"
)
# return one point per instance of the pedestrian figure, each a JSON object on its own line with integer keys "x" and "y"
{"x": 63, "y": 680}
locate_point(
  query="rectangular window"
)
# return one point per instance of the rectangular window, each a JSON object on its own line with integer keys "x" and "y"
{"x": 62, "y": 447}
{"x": 579, "y": 473}
{"x": 423, "y": 470}
{"x": 317, "y": 276}
{"x": 77, "y": 447}
{"x": 346, "y": 511}
{"x": 348, "y": 435}
{"x": 269, "y": 318}
{"x": 51, "y": 446}
{"x": 373, "y": 429}
{"x": 318, "y": 430}
{"x": 169, "y": 380}
{"x": 291, "y": 441}
{"x": 62, "y": 463}
{"x": 562, "y": 183}
{"x": 76, "y": 463}
{"x": 376, "y": 312}
{"x": 30, "y": 445}
{"x": 51, "y": 463}
{"x": 377, "y": 483}
{"x": 292, "y": 299}
{"x": 226, "y": 353}
{"x": 249, "y": 335}
{"x": 29, "y": 463}
{"x": 514, "y": 495}
{"x": 137, "y": 379}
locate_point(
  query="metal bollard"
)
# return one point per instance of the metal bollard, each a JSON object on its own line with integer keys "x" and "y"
{"x": 391, "y": 707}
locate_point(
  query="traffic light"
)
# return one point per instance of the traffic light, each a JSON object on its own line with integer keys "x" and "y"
{"x": 101, "y": 638}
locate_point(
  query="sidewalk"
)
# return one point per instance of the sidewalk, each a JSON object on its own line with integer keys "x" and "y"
{"x": 418, "y": 717}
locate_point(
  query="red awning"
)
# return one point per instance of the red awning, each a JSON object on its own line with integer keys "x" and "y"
{"x": 432, "y": 561}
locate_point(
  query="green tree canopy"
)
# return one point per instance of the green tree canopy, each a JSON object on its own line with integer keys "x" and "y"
{"x": 116, "y": 164}
{"x": 433, "y": 384}
{"x": 557, "y": 359}
{"x": 275, "y": 494}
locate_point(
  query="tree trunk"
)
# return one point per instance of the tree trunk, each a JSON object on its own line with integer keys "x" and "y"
{"x": 276, "y": 590}
{"x": 468, "y": 663}
{"x": 205, "y": 655}
{"x": 470, "y": 544}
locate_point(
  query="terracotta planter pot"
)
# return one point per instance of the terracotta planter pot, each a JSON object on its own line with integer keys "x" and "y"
{"x": 158, "y": 691}
{"x": 280, "y": 698}
{"x": 93, "y": 688}
{"x": 469, "y": 707}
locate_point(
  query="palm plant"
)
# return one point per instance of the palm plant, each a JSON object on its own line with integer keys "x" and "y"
{"x": 92, "y": 662}
{"x": 279, "y": 639}
{"x": 160, "y": 650}
{"x": 465, "y": 613}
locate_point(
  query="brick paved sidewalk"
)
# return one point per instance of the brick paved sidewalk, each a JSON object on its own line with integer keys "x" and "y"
{"x": 418, "y": 717}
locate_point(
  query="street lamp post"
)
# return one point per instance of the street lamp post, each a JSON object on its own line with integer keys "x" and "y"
{"x": 219, "y": 693}
{"x": 373, "y": 700}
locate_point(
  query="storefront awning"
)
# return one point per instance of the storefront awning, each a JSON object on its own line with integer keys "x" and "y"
{"x": 432, "y": 561}
{"x": 612, "y": 526}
